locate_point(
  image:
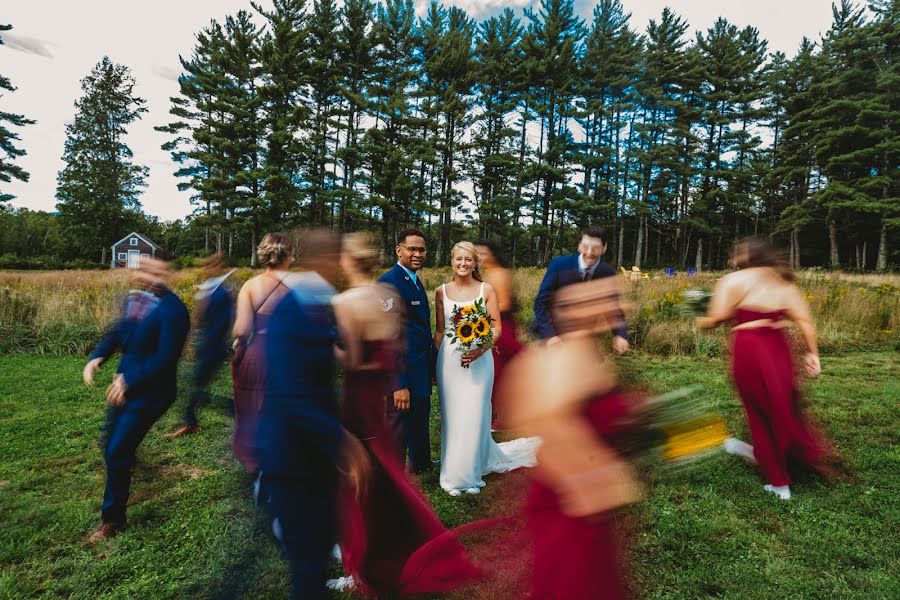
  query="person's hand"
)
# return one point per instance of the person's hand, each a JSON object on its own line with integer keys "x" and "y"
{"x": 401, "y": 399}
{"x": 90, "y": 370}
{"x": 236, "y": 343}
{"x": 813, "y": 366}
{"x": 704, "y": 323}
{"x": 620, "y": 344}
{"x": 473, "y": 355}
{"x": 115, "y": 393}
{"x": 358, "y": 466}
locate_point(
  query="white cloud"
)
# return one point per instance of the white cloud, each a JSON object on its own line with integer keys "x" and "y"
{"x": 29, "y": 45}
{"x": 475, "y": 8}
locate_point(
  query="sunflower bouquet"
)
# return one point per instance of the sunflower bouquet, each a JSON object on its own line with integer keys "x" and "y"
{"x": 471, "y": 327}
{"x": 695, "y": 302}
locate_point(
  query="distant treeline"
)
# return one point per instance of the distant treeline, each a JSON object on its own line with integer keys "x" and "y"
{"x": 521, "y": 127}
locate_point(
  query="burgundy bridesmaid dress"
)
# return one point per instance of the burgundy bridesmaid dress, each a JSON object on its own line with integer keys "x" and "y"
{"x": 248, "y": 375}
{"x": 763, "y": 372}
{"x": 577, "y": 558}
{"x": 508, "y": 346}
{"x": 391, "y": 540}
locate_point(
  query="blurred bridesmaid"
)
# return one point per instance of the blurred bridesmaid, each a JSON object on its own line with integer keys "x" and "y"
{"x": 508, "y": 344}
{"x": 256, "y": 301}
{"x": 567, "y": 394}
{"x": 761, "y": 298}
{"x": 384, "y": 530}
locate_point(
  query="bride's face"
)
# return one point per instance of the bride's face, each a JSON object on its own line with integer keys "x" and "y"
{"x": 463, "y": 263}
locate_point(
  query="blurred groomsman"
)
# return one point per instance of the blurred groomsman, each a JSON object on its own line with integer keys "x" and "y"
{"x": 150, "y": 337}
{"x": 215, "y": 313}
{"x": 300, "y": 438}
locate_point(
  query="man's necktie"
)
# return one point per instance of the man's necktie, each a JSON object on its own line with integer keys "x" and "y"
{"x": 586, "y": 275}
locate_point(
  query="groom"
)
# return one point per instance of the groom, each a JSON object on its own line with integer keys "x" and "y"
{"x": 409, "y": 407}
{"x": 586, "y": 265}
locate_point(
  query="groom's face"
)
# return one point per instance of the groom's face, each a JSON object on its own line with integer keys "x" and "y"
{"x": 591, "y": 249}
{"x": 411, "y": 252}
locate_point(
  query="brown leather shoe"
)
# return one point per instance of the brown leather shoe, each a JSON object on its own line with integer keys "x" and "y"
{"x": 183, "y": 430}
{"x": 106, "y": 530}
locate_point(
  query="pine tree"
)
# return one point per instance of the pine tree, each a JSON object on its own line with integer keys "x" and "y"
{"x": 8, "y": 170}
{"x": 553, "y": 46}
{"x": 99, "y": 187}
{"x": 495, "y": 162}
{"x": 284, "y": 66}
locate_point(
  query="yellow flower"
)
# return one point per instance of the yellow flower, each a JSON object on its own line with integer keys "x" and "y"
{"x": 482, "y": 327}
{"x": 467, "y": 310}
{"x": 466, "y": 333}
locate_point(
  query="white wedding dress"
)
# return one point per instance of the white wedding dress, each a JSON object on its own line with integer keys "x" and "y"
{"x": 468, "y": 451}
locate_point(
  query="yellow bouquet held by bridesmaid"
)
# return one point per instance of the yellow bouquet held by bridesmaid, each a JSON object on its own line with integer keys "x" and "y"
{"x": 472, "y": 328}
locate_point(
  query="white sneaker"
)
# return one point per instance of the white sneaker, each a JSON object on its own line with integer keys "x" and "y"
{"x": 739, "y": 448}
{"x": 473, "y": 490}
{"x": 782, "y": 491}
{"x": 455, "y": 493}
{"x": 341, "y": 584}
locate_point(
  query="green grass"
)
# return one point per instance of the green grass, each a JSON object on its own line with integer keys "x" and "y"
{"x": 705, "y": 531}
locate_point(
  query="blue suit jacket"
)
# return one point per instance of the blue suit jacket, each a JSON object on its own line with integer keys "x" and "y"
{"x": 417, "y": 365}
{"x": 214, "y": 326}
{"x": 563, "y": 271}
{"x": 150, "y": 352}
{"x": 299, "y": 433}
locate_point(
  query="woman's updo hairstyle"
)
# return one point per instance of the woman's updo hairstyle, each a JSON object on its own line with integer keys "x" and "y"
{"x": 362, "y": 248}
{"x": 274, "y": 249}
{"x": 471, "y": 249}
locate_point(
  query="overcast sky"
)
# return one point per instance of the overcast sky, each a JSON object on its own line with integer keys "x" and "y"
{"x": 55, "y": 43}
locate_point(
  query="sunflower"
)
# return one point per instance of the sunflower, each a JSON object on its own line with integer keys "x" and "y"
{"x": 482, "y": 327}
{"x": 467, "y": 310}
{"x": 466, "y": 333}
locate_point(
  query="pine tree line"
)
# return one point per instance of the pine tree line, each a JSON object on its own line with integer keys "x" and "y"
{"x": 524, "y": 128}
{"x": 521, "y": 127}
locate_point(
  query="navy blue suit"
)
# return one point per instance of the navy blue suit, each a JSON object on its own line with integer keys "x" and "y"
{"x": 150, "y": 349}
{"x": 563, "y": 271}
{"x": 299, "y": 433}
{"x": 211, "y": 349}
{"x": 411, "y": 426}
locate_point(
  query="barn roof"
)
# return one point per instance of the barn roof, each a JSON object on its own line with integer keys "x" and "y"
{"x": 136, "y": 234}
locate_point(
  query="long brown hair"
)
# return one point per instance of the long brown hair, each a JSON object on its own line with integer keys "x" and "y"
{"x": 756, "y": 251}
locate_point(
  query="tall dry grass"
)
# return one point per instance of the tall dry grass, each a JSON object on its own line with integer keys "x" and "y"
{"x": 65, "y": 312}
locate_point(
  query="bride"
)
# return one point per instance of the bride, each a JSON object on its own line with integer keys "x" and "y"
{"x": 467, "y": 449}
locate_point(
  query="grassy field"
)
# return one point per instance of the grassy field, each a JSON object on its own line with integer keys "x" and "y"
{"x": 706, "y": 531}
{"x": 64, "y": 312}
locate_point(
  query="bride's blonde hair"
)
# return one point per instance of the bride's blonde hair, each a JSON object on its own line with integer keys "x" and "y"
{"x": 471, "y": 249}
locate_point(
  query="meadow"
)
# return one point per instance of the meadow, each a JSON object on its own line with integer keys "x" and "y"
{"x": 705, "y": 531}
{"x": 64, "y": 312}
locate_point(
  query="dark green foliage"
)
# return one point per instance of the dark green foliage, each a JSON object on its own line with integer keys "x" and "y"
{"x": 525, "y": 128}
{"x": 8, "y": 150}
{"x": 99, "y": 187}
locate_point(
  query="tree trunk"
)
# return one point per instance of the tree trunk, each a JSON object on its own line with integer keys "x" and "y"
{"x": 253, "y": 259}
{"x": 621, "y": 244}
{"x": 865, "y": 242}
{"x": 103, "y": 256}
{"x": 699, "y": 264}
{"x": 640, "y": 243}
{"x": 832, "y": 239}
{"x": 881, "y": 264}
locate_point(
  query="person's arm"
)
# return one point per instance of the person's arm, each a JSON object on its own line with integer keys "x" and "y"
{"x": 798, "y": 312}
{"x": 439, "y": 325}
{"x": 348, "y": 331}
{"x": 503, "y": 286}
{"x": 620, "y": 333}
{"x": 243, "y": 321}
{"x": 721, "y": 305}
{"x": 111, "y": 341}
{"x": 543, "y": 323}
{"x": 490, "y": 302}
{"x": 173, "y": 331}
